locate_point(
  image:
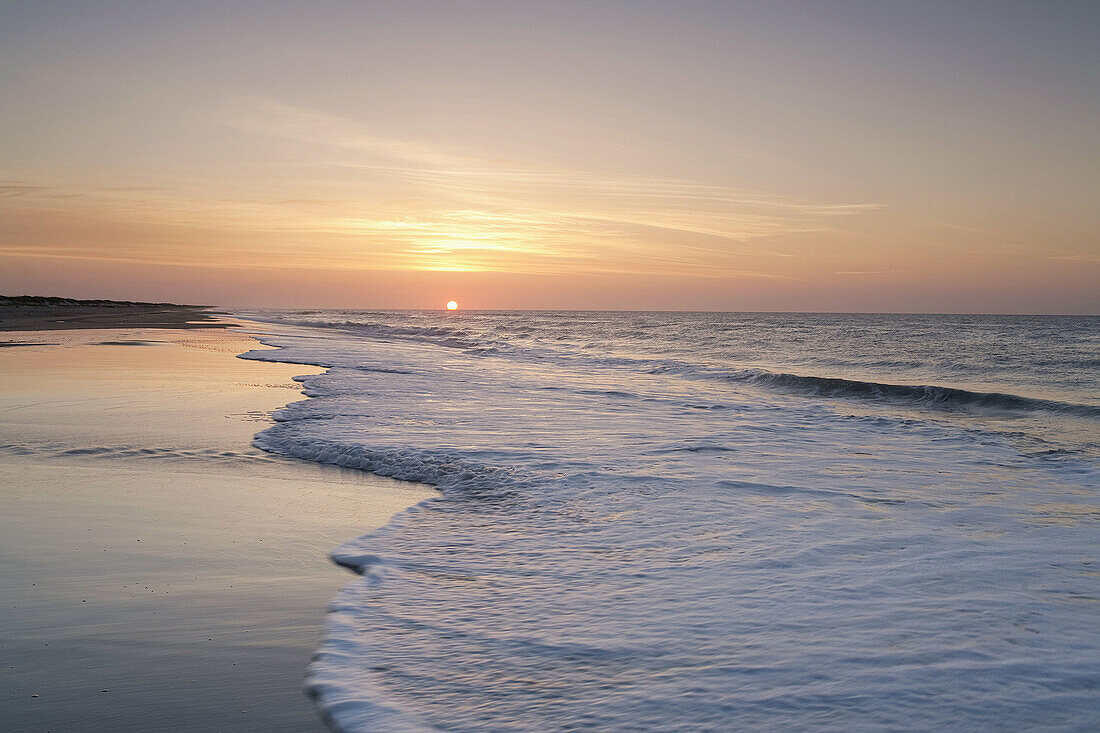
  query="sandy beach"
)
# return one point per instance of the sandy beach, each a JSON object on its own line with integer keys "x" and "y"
{"x": 159, "y": 572}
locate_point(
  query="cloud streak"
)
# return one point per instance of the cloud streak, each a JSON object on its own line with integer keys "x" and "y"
{"x": 481, "y": 213}
{"x": 359, "y": 200}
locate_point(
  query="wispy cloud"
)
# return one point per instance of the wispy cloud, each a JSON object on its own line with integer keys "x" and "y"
{"x": 1083, "y": 258}
{"x": 11, "y": 190}
{"x": 360, "y": 200}
{"x": 492, "y": 214}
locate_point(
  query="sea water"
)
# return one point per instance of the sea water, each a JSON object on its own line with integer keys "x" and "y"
{"x": 709, "y": 521}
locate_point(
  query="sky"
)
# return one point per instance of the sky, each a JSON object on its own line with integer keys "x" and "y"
{"x": 762, "y": 156}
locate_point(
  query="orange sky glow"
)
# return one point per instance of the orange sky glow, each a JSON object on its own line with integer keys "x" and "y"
{"x": 750, "y": 157}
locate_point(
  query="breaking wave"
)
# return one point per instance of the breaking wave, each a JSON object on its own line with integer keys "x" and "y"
{"x": 658, "y": 525}
{"x": 925, "y": 395}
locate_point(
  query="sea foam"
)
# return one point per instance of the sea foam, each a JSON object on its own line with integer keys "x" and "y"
{"x": 628, "y": 539}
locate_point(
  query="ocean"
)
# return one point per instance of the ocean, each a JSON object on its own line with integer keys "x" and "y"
{"x": 709, "y": 521}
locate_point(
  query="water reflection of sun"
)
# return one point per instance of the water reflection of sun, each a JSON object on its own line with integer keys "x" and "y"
{"x": 452, "y": 305}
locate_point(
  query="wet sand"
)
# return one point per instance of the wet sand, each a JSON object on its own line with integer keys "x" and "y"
{"x": 158, "y": 572}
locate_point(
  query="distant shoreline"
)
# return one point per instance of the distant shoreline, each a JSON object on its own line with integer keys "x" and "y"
{"x": 37, "y": 313}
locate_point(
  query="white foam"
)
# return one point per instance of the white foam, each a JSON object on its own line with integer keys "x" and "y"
{"x": 637, "y": 549}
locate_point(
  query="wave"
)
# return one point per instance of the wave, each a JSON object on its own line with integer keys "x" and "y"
{"x": 924, "y": 395}
{"x": 456, "y": 338}
{"x": 604, "y": 534}
{"x": 382, "y": 370}
{"x": 446, "y": 472}
{"x": 476, "y": 341}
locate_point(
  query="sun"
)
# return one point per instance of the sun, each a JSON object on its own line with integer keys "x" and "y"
{"x": 452, "y": 305}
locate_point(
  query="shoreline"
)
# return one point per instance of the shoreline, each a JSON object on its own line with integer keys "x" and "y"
{"x": 161, "y": 571}
{"x": 17, "y": 315}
